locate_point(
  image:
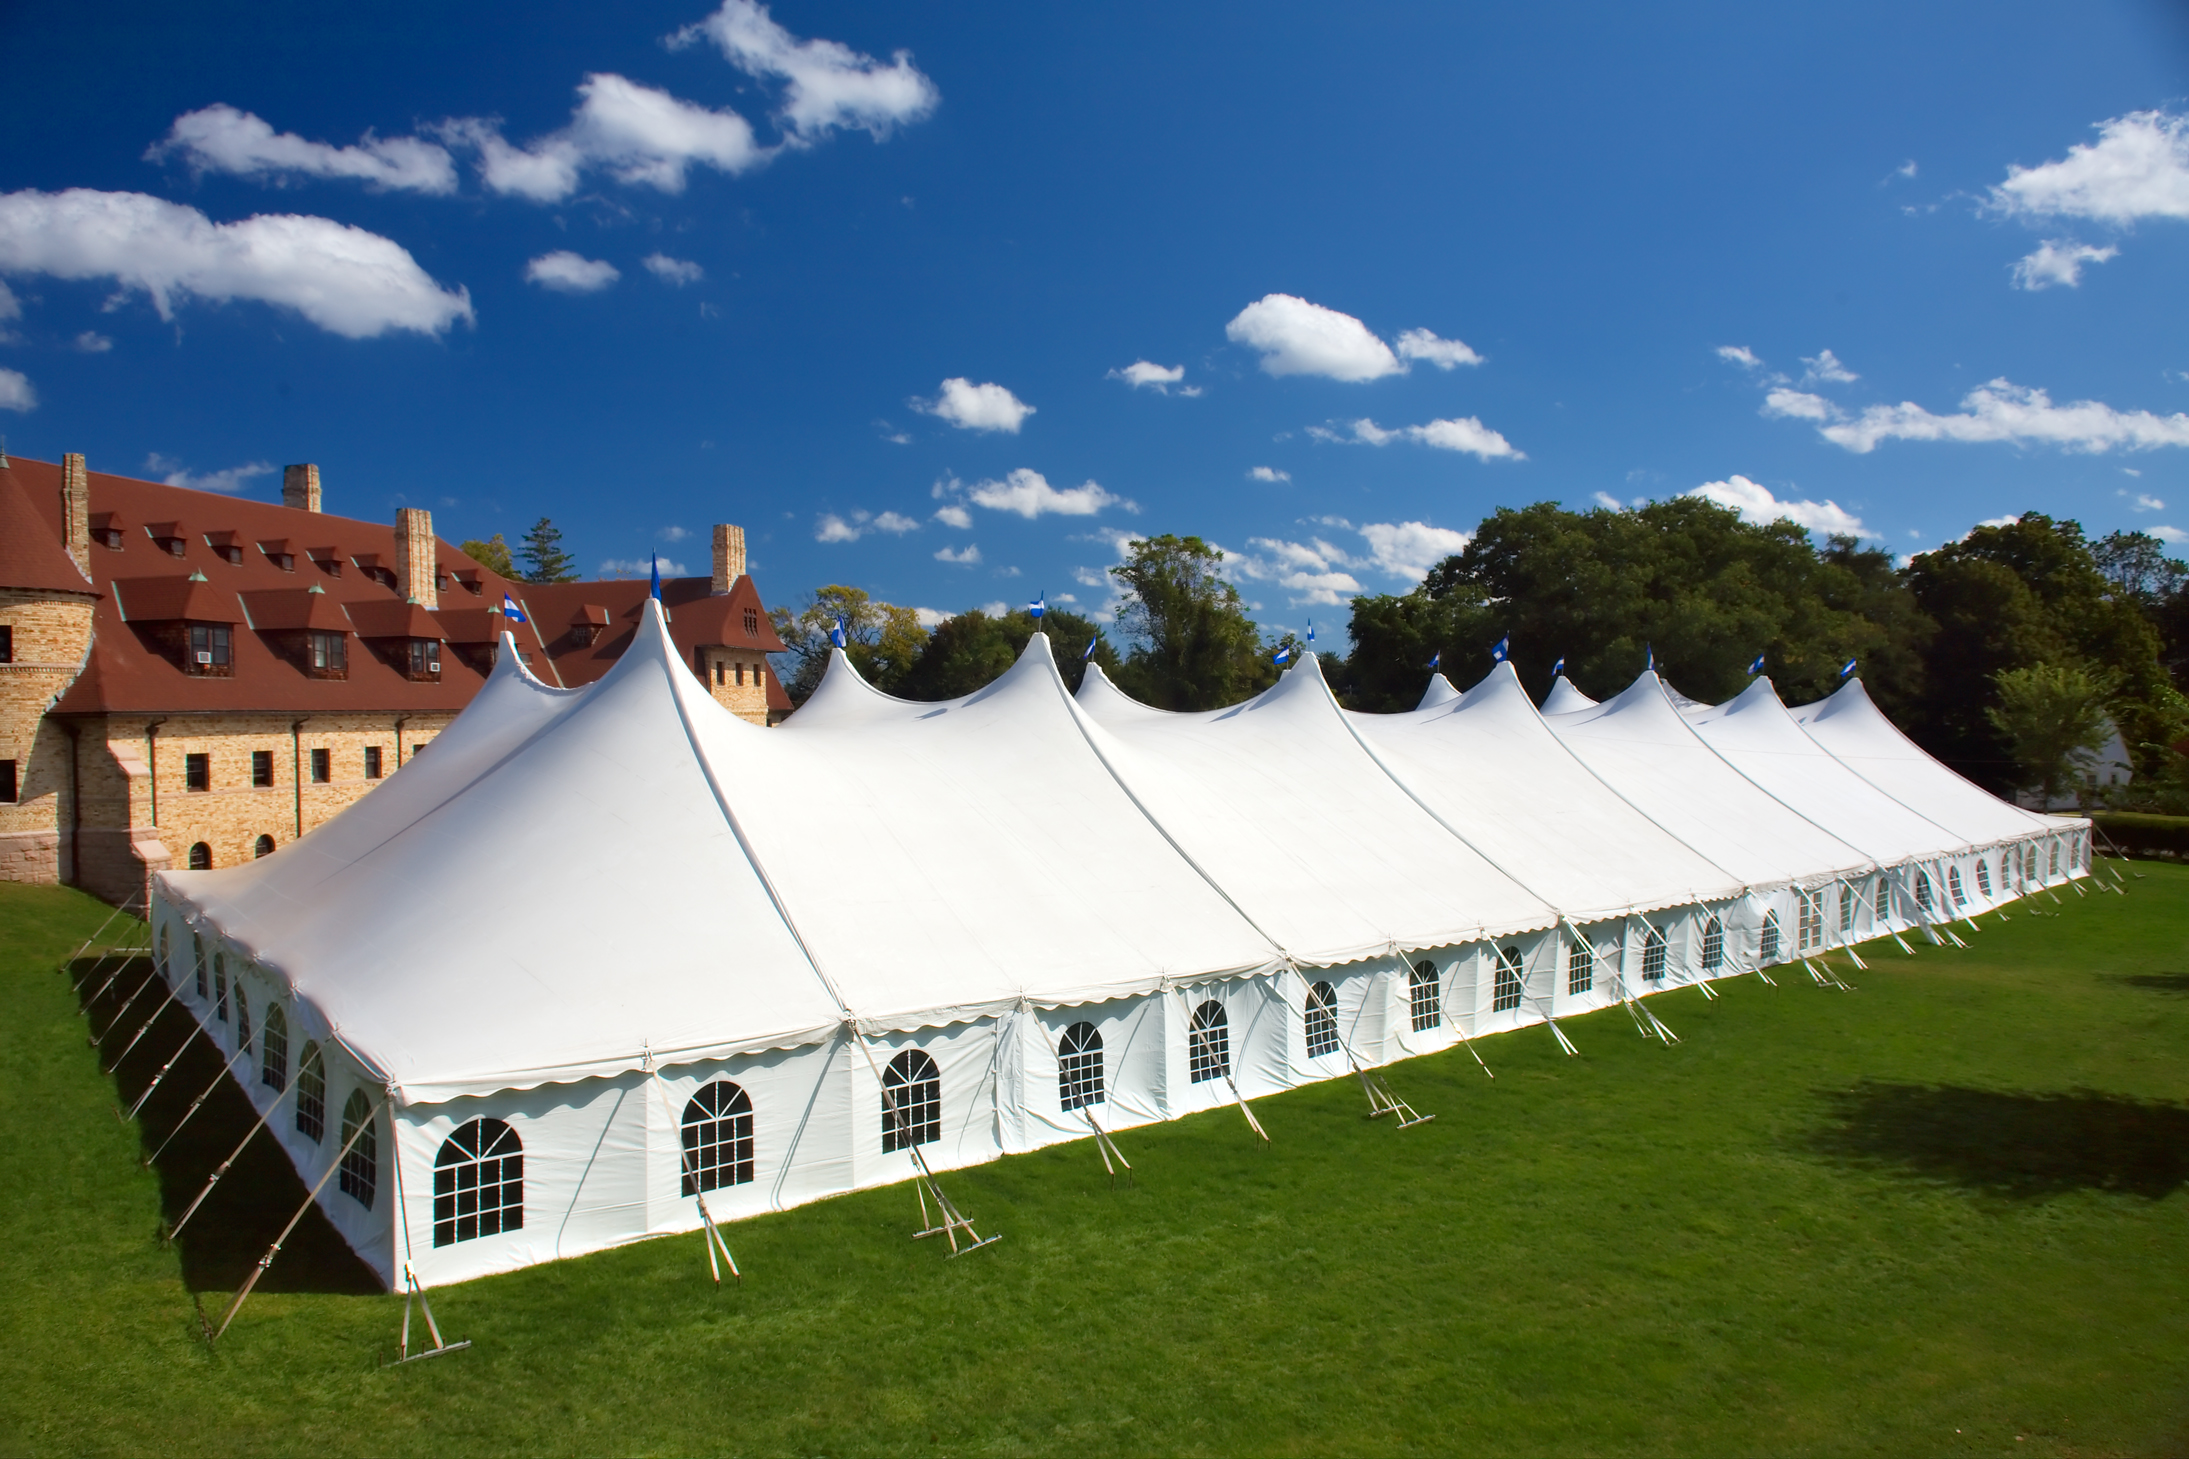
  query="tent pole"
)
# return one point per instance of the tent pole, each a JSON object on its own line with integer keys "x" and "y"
{"x": 94, "y": 1040}
{"x": 225, "y": 1070}
{"x": 412, "y": 1285}
{"x": 271, "y": 1106}
{"x": 188, "y": 1039}
{"x": 1381, "y": 1101}
{"x": 85, "y": 945}
{"x": 1104, "y": 1145}
{"x": 142, "y": 1030}
{"x": 691, "y": 1173}
{"x": 272, "y": 1251}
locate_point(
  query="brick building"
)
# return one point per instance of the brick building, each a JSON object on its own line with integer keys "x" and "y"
{"x": 189, "y": 679}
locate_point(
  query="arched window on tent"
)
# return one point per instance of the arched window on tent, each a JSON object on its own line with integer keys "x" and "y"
{"x": 1208, "y": 1043}
{"x": 2029, "y": 864}
{"x": 220, "y": 987}
{"x": 1808, "y": 918}
{"x": 263, "y": 847}
{"x": 198, "y": 945}
{"x": 1983, "y": 878}
{"x": 1883, "y": 901}
{"x": 1580, "y": 966}
{"x": 1425, "y": 996}
{"x": 273, "y": 1057}
{"x": 1505, "y": 993}
{"x": 1767, "y": 947}
{"x": 360, "y": 1178}
{"x": 717, "y": 1138}
{"x": 243, "y": 1020}
{"x": 1713, "y": 945}
{"x": 2055, "y": 849}
{"x": 167, "y": 953}
{"x": 911, "y": 1102}
{"x": 1953, "y": 887}
{"x": 1846, "y": 908}
{"x": 201, "y": 857}
{"x": 1923, "y": 891}
{"x": 478, "y": 1183}
{"x": 1079, "y": 1067}
{"x": 1653, "y": 955}
{"x": 311, "y": 1094}
{"x": 1322, "y": 1020}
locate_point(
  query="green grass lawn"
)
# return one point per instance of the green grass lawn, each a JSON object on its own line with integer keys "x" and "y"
{"x": 1941, "y": 1213}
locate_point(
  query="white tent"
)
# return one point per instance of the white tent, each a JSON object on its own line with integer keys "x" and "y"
{"x": 599, "y": 951}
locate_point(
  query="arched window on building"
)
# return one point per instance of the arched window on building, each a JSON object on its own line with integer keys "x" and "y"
{"x": 360, "y": 1178}
{"x": 1923, "y": 891}
{"x": 1079, "y": 1067}
{"x": 201, "y": 857}
{"x": 311, "y": 1094}
{"x": 717, "y": 1138}
{"x": 1424, "y": 996}
{"x": 1713, "y": 945}
{"x": 264, "y": 846}
{"x": 273, "y": 1054}
{"x": 1953, "y": 887}
{"x": 478, "y": 1183}
{"x": 1983, "y": 878}
{"x": 1653, "y": 955}
{"x": 220, "y": 987}
{"x": 1208, "y": 1043}
{"x": 1505, "y": 992}
{"x": 911, "y": 1102}
{"x": 1580, "y": 967}
{"x": 1767, "y": 946}
{"x": 1322, "y": 1020}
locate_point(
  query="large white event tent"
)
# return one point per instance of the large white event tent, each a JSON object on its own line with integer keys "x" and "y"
{"x": 599, "y": 951}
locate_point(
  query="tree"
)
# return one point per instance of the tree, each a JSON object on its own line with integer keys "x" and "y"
{"x": 881, "y": 640}
{"x": 2137, "y": 566}
{"x": 545, "y": 561}
{"x": 1193, "y": 646}
{"x": 970, "y": 651}
{"x": 2051, "y": 717}
{"x": 492, "y": 554}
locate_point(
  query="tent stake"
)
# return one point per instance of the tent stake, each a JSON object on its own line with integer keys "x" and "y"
{"x": 403, "y": 1354}
{"x": 272, "y": 1251}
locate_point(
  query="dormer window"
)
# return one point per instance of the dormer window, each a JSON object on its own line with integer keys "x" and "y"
{"x": 225, "y": 547}
{"x": 106, "y": 530}
{"x": 279, "y": 555}
{"x": 167, "y": 536}
{"x": 370, "y": 565}
{"x": 211, "y": 650}
{"x": 328, "y": 654}
{"x": 752, "y": 622}
{"x": 326, "y": 560}
{"x": 425, "y": 660}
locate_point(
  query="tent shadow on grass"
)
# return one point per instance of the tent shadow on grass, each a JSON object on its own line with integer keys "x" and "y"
{"x": 247, "y": 1210}
{"x": 2020, "y": 1146}
{"x": 2175, "y": 983}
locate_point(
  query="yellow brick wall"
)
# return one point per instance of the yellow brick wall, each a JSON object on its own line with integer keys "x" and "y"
{"x": 748, "y": 701}
{"x": 52, "y": 637}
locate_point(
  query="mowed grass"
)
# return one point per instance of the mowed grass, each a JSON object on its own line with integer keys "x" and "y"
{"x": 1941, "y": 1213}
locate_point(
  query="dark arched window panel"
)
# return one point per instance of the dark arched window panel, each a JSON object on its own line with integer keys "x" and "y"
{"x": 1713, "y": 945}
{"x": 717, "y": 1138}
{"x": 1079, "y": 1067}
{"x": 201, "y": 857}
{"x": 1505, "y": 993}
{"x": 911, "y": 1102}
{"x": 273, "y": 1061}
{"x": 1767, "y": 947}
{"x": 478, "y": 1183}
{"x": 1653, "y": 955}
{"x": 1322, "y": 1020}
{"x": 1424, "y": 996}
{"x": 1208, "y": 1043}
{"x": 311, "y": 1094}
{"x": 360, "y": 1178}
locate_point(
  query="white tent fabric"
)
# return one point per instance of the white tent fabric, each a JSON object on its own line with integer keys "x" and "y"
{"x": 1564, "y": 698}
{"x": 663, "y": 952}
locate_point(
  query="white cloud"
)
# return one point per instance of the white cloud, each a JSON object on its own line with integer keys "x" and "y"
{"x": 16, "y": 392}
{"x": 677, "y": 271}
{"x": 1269, "y": 473}
{"x": 1313, "y": 572}
{"x": 1905, "y": 169}
{"x": 91, "y": 342}
{"x": 1465, "y": 434}
{"x": 2058, "y": 261}
{"x": 829, "y": 527}
{"x": 2138, "y": 168}
{"x": 972, "y": 407}
{"x": 1088, "y": 577}
{"x": 2170, "y": 534}
{"x": 11, "y": 308}
{"x": 1029, "y": 494}
{"x": 1827, "y": 368}
{"x": 221, "y": 139}
{"x": 996, "y": 609}
{"x": 1299, "y": 338}
{"x": 2000, "y": 410}
{"x": 964, "y": 556}
{"x": 1998, "y": 522}
{"x": 1420, "y": 344}
{"x": 1145, "y": 373}
{"x": 954, "y": 515}
{"x": 1609, "y": 502}
{"x": 640, "y": 134}
{"x": 929, "y": 617}
{"x": 234, "y": 479}
{"x": 1410, "y": 549}
{"x": 569, "y": 273}
{"x": 827, "y": 84}
{"x": 343, "y": 279}
{"x": 640, "y": 567}
{"x": 1756, "y": 503}
{"x": 1796, "y": 405}
{"x": 895, "y": 524}
{"x": 2145, "y": 502}
{"x": 1741, "y": 355}
{"x": 672, "y": 534}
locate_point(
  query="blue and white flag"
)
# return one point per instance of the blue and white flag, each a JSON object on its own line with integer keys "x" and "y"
{"x": 510, "y": 610}
{"x": 1282, "y": 656}
{"x": 655, "y": 590}
{"x": 1849, "y": 669}
{"x": 837, "y": 635}
{"x": 1651, "y": 666}
{"x": 1502, "y": 648}
{"x": 1436, "y": 660}
{"x": 1038, "y": 606}
{"x": 1091, "y": 647}
{"x": 1310, "y": 630}
{"x": 1558, "y": 668}
{"x": 1757, "y": 666}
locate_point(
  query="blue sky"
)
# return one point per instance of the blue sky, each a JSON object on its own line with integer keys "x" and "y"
{"x": 941, "y": 301}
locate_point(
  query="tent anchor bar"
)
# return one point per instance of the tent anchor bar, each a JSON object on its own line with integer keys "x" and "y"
{"x": 195, "y": 1030}
{"x": 412, "y": 1288}
{"x": 1106, "y": 1148}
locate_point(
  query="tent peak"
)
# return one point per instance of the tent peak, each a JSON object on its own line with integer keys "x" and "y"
{"x": 1439, "y": 693}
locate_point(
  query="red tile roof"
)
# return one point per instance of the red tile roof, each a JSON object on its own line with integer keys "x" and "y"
{"x": 31, "y": 554}
{"x": 696, "y": 618}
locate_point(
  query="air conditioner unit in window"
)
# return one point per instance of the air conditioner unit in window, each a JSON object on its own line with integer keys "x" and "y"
{"x": 434, "y": 667}
{"x": 205, "y": 656}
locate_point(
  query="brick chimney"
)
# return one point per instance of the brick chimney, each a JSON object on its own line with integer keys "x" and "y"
{"x": 729, "y": 556}
{"x": 300, "y": 487}
{"x": 76, "y": 509}
{"x": 417, "y": 566}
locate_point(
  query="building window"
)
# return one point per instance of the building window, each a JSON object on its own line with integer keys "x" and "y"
{"x": 425, "y": 659}
{"x": 273, "y": 1054}
{"x": 1653, "y": 955}
{"x": 1846, "y": 907}
{"x": 330, "y": 657}
{"x": 752, "y": 621}
{"x": 1923, "y": 890}
{"x": 717, "y": 1138}
{"x": 1713, "y": 945}
{"x": 209, "y": 648}
{"x": 1580, "y": 967}
{"x": 1208, "y": 1040}
{"x": 197, "y": 771}
{"x": 1983, "y": 878}
{"x": 7, "y": 643}
{"x": 264, "y": 846}
{"x": 1505, "y": 993}
{"x": 322, "y": 766}
{"x": 1424, "y": 996}
{"x": 718, "y": 676}
{"x": 372, "y": 762}
{"x": 11, "y": 788}
{"x": 478, "y": 1183}
{"x": 201, "y": 857}
{"x": 1809, "y": 919}
{"x": 1079, "y": 1067}
{"x": 1322, "y": 1020}
{"x": 741, "y": 674}
{"x": 1767, "y": 947}
{"x": 360, "y": 1178}
{"x": 311, "y": 1095}
{"x": 262, "y": 768}
{"x": 1953, "y": 887}
{"x": 911, "y": 1102}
